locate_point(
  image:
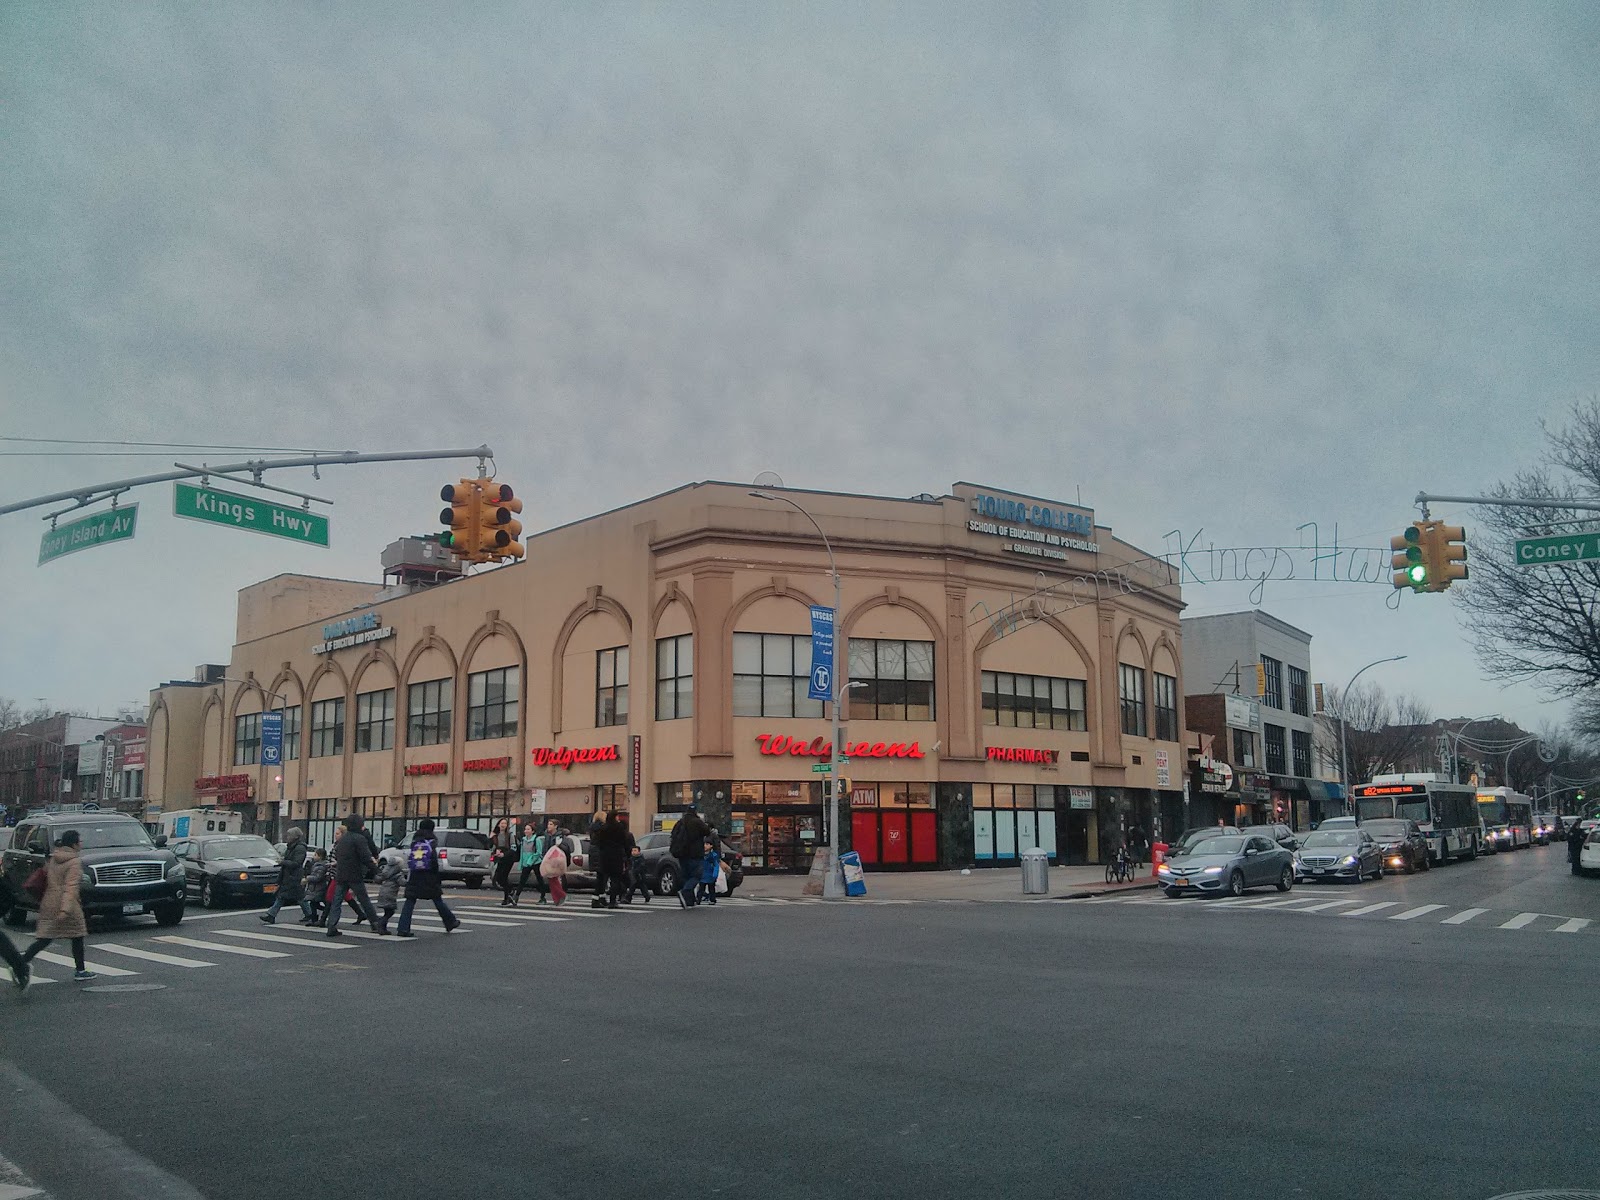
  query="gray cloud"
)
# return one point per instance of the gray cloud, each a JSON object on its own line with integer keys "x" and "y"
{"x": 1219, "y": 270}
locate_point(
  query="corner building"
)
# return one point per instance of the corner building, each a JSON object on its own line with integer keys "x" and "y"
{"x": 1013, "y": 675}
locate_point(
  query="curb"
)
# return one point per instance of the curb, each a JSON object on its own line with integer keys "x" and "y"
{"x": 1107, "y": 891}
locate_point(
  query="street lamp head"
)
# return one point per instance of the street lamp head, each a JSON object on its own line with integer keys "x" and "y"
{"x": 761, "y": 495}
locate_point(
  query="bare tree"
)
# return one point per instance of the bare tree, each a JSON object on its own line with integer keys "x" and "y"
{"x": 1539, "y": 623}
{"x": 13, "y": 715}
{"x": 1383, "y": 734}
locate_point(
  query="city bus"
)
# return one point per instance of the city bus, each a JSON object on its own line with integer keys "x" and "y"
{"x": 1507, "y": 818}
{"x": 1445, "y": 812}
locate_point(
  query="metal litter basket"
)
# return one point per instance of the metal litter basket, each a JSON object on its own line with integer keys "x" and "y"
{"x": 1035, "y": 872}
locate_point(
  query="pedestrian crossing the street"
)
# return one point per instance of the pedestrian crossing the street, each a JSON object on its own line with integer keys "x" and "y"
{"x": 1438, "y": 914}
{"x": 201, "y": 947}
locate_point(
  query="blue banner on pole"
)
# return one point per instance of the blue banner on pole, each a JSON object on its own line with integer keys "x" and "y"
{"x": 272, "y": 739}
{"x": 821, "y": 653}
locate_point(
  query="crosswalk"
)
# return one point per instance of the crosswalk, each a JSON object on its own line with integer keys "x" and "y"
{"x": 195, "y": 947}
{"x": 1438, "y": 914}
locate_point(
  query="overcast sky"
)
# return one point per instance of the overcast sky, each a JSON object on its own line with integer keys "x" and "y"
{"x": 1229, "y": 273}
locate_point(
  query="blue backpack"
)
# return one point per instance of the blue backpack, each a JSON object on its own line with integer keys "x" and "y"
{"x": 423, "y": 857}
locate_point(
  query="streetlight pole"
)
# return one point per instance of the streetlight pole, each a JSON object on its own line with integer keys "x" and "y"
{"x": 832, "y": 880}
{"x": 1344, "y": 696}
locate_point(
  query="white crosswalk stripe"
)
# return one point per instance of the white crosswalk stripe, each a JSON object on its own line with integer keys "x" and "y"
{"x": 170, "y": 960}
{"x": 1411, "y": 914}
{"x": 285, "y": 939}
{"x": 1520, "y": 920}
{"x": 61, "y": 960}
{"x": 219, "y": 948}
{"x": 1369, "y": 908}
{"x": 1465, "y": 915}
{"x": 1572, "y": 925}
{"x": 1325, "y": 905}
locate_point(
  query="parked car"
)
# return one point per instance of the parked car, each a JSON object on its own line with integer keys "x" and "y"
{"x": 664, "y": 874}
{"x": 223, "y": 867}
{"x": 125, "y": 874}
{"x": 1339, "y": 853}
{"x": 1189, "y": 837}
{"x": 1337, "y": 823}
{"x": 463, "y": 854}
{"x": 1228, "y": 865}
{"x": 1544, "y": 828}
{"x": 1589, "y": 853}
{"x": 1401, "y": 842}
{"x": 1278, "y": 832}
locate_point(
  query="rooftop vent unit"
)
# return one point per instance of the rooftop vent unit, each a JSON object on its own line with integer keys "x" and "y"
{"x": 419, "y": 562}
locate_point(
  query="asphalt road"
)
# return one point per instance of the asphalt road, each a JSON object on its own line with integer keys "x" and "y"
{"x": 785, "y": 1050}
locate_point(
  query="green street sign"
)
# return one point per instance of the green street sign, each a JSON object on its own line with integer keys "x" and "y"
{"x": 113, "y": 525}
{"x": 247, "y": 512}
{"x": 821, "y": 768}
{"x": 1563, "y": 548}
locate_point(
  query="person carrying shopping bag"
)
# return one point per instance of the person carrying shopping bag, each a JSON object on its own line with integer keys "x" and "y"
{"x": 552, "y": 869}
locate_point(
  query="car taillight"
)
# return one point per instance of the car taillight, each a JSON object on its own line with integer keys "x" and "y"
{"x": 444, "y": 856}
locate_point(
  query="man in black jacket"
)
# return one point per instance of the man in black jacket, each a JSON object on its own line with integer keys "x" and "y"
{"x": 688, "y": 846}
{"x": 352, "y": 856}
{"x": 290, "y": 869}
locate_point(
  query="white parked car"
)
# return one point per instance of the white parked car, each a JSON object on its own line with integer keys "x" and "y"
{"x": 1589, "y": 856}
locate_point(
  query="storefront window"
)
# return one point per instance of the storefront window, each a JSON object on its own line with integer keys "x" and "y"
{"x": 1300, "y": 741}
{"x": 1166, "y": 705}
{"x": 1009, "y": 818}
{"x": 675, "y": 677}
{"x": 1244, "y": 748}
{"x": 246, "y": 739}
{"x": 891, "y": 680}
{"x": 428, "y": 712}
{"x": 1033, "y": 701}
{"x": 1131, "y": 680}
{"x": 772, "y": 675}
{"x": 776, "y": 824}
{"x": 291, "y": 733}
{"x": 673, "y": 796}
{"x": 611, "y": 797}
{"x": 1273, "y": 736}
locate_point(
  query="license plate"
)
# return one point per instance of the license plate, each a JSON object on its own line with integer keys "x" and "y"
{"x": 132, "y": 910}
{"x": 270, "y": 888}
{"x": 1182, "y": 882}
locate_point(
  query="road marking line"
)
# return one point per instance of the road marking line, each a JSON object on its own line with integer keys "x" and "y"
{"x": 1465, "y": 915}
{"x": 1412, "y": 914}
{"x": 326, "y": 943}
{"x": 61, "y": 960}
{"x": 171, "y": 960}
{"x": 1369, "y": 908}
{"x": 1325, "y": 905}
{"x": 1286, "y": 903}
{"x": 1105, "y": 900}
{"x": 1521, "y": 919}
{"x": 466, "y": 921}
{"x": 504, "y": 919}
{"x": 1248, "y": 902}
{"x": 1572, "y": 925}
{"x": 219, "y": 948}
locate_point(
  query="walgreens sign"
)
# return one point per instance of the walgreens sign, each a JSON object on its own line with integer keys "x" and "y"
{"x": 821, "y": 747}
{"x": 567, "y": 757}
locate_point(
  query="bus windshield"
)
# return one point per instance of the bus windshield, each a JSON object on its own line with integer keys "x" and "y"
{"x": 1370, "y": 808}
{"x": 1414, "y": 810}
{"x": 1492, "y": 809}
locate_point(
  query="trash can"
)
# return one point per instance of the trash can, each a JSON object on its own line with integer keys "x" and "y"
{"x": 1035, "y": 872}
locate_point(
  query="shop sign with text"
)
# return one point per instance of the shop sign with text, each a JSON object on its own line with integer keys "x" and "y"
{"x": 499, "y": 763}
{"x": 1032, "y": 528}
{"x": 228, "y": 789}
{"x": 567, "y": 757}
{"x": 773, "y": 744}
{"x": 434, "y": 768}
{"x": 1023, "y": 754}
{"x": 1081, "y": 797}
{"x": 352, "y": 631}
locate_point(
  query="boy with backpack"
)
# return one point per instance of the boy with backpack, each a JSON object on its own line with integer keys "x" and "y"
{"x": 423, "y": 881}
{"x": 390, "y": 874}
{"x": 316, "y": 885}
{"x": 708, "y": 873}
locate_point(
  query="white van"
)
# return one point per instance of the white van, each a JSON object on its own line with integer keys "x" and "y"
{"x": 190, "y": 822}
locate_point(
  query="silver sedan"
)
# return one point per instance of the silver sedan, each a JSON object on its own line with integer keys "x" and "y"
{"x": 1228, "y": 865}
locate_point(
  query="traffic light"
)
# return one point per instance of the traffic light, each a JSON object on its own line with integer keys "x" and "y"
{"x": 1410, "y": 558}
{"x": 497, "y": 526}
{"x": 1445, "y": 553}
{"x": 460, "y": 519}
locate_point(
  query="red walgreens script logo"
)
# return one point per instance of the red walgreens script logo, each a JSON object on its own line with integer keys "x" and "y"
{"x": 567, "y": 757}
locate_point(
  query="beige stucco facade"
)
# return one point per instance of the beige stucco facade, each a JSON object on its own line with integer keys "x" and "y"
{"x": 992, "y": 582}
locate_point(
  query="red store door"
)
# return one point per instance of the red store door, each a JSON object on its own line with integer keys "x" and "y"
{"x": 924, "y": 837}
{"x": 864, "y": 836}
{"x": 896, "y": 838}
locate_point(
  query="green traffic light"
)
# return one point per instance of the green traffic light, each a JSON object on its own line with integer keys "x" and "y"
{"x": 1419, "y": 574}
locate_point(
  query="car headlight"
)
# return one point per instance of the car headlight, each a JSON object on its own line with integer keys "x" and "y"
{"x": 1165, "y": 870}
{"x": 244, "y": 876}
{"x": 175, "y": 871}
{"x": 1350, "y": 860}
{"x": 1212, "y": 871}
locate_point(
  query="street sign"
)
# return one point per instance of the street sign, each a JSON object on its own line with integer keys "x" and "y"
{"x": 821, "y": 768}
{"x": 247, "y": 512}
{"x": 272, "y": 739}
{"x": 1562, "y": 548}
{"x": 113, "y": 525}
{"x": 821, "y": 653}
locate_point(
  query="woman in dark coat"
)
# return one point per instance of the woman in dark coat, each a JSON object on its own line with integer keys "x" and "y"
{"x": 613, "y": 852}
{"x": 424, "y": 881}
{"x": 291, "y": 890}
{"x": 505, "y": 844}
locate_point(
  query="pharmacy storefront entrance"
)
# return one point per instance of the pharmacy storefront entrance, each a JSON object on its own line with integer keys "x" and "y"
{"x": 777, "y": 825}
{"x": 894, "y": 825}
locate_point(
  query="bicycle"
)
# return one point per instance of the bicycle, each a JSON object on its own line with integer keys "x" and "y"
{"x": 1120, "y": 869}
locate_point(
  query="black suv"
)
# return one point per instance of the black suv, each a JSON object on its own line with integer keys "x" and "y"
{"x": 1404, "y": 845}
{"x": 125, "y": 874}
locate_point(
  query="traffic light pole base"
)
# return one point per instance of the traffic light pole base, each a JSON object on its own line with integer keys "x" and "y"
{"x": 825, "y": 879}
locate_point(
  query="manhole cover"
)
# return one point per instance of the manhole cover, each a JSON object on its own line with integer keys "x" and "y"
{"x": 1548, "y": 1194}
{"x": 127, "y": 987}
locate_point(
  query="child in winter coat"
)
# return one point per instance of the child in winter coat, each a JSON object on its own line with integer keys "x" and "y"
{"x": 316, "y": 885}
{"x": 708, "y": 874}
{"x": 390, "y": 876}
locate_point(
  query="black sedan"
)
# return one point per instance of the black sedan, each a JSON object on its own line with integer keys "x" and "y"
{"x": 1339, "y": 854}
{"x": 232, "y": 866}
{"x": 665, "y": 876}
{"x": 1402, "y": 843}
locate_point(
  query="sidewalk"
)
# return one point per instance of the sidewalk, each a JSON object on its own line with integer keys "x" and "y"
{"x": 985, "y": 883}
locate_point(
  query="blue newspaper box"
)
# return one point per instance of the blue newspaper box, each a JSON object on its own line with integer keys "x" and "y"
{"x": 855, "y": 879}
